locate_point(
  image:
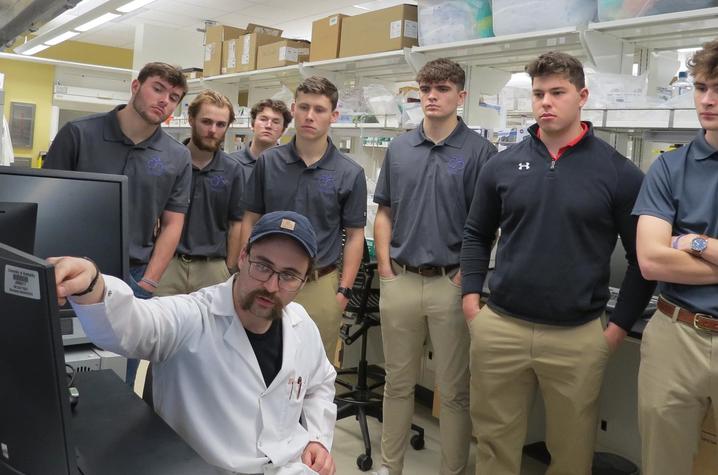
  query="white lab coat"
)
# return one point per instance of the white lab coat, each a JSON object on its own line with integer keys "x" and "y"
{"x": 207, "y": 383}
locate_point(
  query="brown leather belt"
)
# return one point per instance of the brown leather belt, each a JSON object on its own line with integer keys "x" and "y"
{"x": 318, "y": 273}
{"x": 699, "y": 321}
{"x": 429, "y": 271}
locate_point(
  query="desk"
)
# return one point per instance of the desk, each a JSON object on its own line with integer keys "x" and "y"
{"x": 116, "y": 433}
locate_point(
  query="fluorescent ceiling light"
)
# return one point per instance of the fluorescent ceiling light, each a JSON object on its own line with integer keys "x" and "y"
{"x": 35, "y": 49}
{"x": 134, "y": 5}
{"x": 97, "y": 22}
{"x": 62, "y": 37}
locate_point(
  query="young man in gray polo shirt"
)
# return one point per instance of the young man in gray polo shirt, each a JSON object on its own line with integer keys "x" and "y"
{"x": 677, "y": 246}
{"x": 310, "y": 176}
{"x": 269, "y": 119}
{"x": 424, "y": 192}
{"x": 129, "y": 141}
{"x": 210, "y": 239}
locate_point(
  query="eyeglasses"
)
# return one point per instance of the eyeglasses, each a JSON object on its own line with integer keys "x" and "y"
{"x": 285, "y": 280}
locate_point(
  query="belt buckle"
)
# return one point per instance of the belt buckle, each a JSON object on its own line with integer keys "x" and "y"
{"x": 186, "y": 258}
{"x": 698, "y": 326}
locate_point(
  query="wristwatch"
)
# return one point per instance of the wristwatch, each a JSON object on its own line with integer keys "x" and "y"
{"x": 698, "y": 245}
{"x": 345, "y": 291}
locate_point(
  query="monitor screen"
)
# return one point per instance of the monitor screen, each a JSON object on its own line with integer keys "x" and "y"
{"x": 17, "y": 225}
{"x": 34, "y": 401}
{"x": 78, "y": 214}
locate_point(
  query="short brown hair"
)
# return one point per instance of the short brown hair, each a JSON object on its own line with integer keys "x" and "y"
{"x": 277, "y": 106}
{"x": 704, "y": 62}
{"x": 167, "y": 72}
{"x": 208, "y": 96}
{"x": 321, "y": 86}
{"x": 558, "y": 63}
{"x": 442, "y": 69}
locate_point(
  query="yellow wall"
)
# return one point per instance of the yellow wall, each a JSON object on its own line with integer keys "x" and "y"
{"x": 31, "y": 83}
{"x": 90, "y": 54}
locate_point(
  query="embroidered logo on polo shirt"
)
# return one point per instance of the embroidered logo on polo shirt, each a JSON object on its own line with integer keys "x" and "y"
{"x": 524, "y": 166}
{"x": 456, "y": 165}
{"x": 326, "y": 183}
{"x": 217, "y": 182}
{"x": 155, "y": 166}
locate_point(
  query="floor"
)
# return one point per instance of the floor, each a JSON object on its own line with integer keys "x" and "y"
{"x": 348, "y": 444}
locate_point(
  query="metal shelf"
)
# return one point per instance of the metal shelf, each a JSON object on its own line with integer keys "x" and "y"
{"x": 508, "y": 52}
{"x": 70, "y": 64}
{"x": 667, "y": 31}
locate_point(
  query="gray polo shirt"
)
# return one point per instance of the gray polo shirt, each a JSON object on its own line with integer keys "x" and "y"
{"x": 681, "y": 188}
{"x": 158, "y": 170}
{"x": 429, "y": 188}
{"x": 214, "y": 202}
{"x": 245, "y": 160}
{"x": 331, "y": 193}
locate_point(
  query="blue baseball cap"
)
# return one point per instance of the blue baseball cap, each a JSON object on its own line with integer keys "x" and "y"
{"x": 289, "y": 224}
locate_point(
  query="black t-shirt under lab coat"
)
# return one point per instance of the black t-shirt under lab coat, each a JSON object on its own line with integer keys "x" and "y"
{"x": 268, "y": 350}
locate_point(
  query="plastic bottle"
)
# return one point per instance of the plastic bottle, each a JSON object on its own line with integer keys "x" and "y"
{"x": 682, "y": 85}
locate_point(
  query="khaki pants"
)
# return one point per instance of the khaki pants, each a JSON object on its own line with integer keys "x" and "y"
{"x": 410, "y": 306}
{"x": 677, "y": 376}
{"x": 510, "y": 360}
{"x": 319, "y": 299}
{"x": 186, "y": 277}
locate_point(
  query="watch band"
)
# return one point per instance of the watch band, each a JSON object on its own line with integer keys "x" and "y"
{"x": 345, "y": 291}
{"x": 93, "y": 282}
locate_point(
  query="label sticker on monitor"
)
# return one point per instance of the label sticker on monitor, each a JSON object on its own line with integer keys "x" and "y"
{"x": 22, "y": 282}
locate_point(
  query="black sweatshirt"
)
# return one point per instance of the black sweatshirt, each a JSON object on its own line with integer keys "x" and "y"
{"x": 559, "y": 221}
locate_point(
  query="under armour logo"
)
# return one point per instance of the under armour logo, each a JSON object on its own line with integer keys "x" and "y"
{"x": 524, "y": 166}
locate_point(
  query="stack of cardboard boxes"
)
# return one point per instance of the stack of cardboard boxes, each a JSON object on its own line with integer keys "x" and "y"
{"x": 342, "y": 36}
{"x": 230, "y": 49}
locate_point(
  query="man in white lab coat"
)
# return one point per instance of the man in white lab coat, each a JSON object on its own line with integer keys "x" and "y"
{"x": 239, "y": 371}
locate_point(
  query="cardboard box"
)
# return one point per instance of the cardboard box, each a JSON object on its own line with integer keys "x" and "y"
{"x": 282, "y": 53}
{"x": 706, "y": 460}
{"x": 382, "y": 30}
{"x": 264, "y": 30}
{"x": 240, "y": 55}
{"x": 192, "y": 73}
{"x": 212, "y": 59}
{"x": 326, "y": 36}
{"x": 219, "y": 33}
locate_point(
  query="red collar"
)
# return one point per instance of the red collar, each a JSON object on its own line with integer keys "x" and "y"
{"x": 577, "y": 139}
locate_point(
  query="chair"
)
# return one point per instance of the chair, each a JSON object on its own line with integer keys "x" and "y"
{"x": 361, "y": 400}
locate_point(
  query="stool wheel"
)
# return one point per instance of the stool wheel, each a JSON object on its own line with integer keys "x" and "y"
{"x": 364, "y": 462}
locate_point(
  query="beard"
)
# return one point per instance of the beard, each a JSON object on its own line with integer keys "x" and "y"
{"x": 136, "y": 105}
{"x": 202, "y": 143}
{"x": 247, "y": 303}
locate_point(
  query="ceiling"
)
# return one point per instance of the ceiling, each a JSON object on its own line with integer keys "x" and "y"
{"x": 293, "y": 16}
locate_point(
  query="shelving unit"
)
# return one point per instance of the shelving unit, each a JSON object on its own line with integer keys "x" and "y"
{"x": 612, "y": 46}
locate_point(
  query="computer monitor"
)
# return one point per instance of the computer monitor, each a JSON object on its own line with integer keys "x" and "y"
{"x": 34, "y": 403}
{"x": 17, "y": 225}
{"x": 78, "y": 214}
